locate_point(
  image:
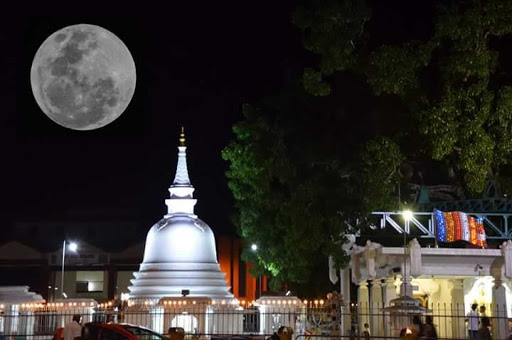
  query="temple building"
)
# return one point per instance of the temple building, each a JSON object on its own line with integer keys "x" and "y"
{"x": 180, "y": 257}
{"x": 447, "y": 281}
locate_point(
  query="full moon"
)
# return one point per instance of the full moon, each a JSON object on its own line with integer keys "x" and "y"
{"x": 83, "y": 77}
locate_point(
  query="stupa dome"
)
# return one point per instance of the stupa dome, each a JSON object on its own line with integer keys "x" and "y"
{"x": 180, "y": 251}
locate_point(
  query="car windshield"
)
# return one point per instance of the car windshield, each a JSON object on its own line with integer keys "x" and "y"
{"x": 144, "y": 334}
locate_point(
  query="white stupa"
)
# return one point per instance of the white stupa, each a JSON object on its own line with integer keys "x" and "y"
{"x": 180, "y": 251}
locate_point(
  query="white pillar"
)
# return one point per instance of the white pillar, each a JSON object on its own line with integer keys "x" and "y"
{"x": 458, "y": 328}
{"x": 406, "y": 280}
{"x": 362, "y": 303}
{"x": 389, "y": 293}
{"x": 376, "y": 325}
{"x": 345, "y": 309}
{"x": 390, "y": 290}
{"x": 500, "y": 321}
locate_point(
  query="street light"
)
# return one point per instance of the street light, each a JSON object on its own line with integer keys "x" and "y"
{"x": 254, "y": 248}
{"x": 407, "y": 215}
{"x": 73, "y": 247}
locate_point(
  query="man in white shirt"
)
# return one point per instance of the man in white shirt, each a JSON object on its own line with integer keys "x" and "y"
{"x": 73, "y": 330}
{"x": 472, "y": 320}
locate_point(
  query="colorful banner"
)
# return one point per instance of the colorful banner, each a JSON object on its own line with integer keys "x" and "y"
{"x": 456, "y": 225}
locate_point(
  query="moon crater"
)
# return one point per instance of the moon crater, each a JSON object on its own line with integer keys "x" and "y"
{"x": 83, "y": 77}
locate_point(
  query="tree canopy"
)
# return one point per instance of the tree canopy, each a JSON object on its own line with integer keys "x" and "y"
{"x": 298, "y": 174}
{"x": 455, "y": 85}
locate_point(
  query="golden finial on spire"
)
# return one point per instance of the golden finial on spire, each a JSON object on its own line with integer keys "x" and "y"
{"x": 182, "y": 136}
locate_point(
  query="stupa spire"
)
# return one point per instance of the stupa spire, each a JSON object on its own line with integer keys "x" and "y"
{"x": 182, "y": 199}
{"x": 182, "y": 136}
{"x": 181, "y": 178}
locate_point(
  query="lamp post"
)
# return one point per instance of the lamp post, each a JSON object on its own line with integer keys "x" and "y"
{"x": 254, "y": 248}
{"x": 73, "y": 247}
{"x": 407, "y": 215}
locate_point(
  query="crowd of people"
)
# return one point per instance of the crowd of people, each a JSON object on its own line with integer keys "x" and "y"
{"x": 419, "y": 330}
{"x": 478, "y": 323}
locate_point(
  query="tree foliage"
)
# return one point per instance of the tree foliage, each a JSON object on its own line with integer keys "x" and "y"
{"x": 288, "y": 188}
{"x": 452, "y": 84}
{"x": 295, "y": 178}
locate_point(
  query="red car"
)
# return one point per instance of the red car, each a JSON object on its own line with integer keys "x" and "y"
{"x": 114, "y": 331}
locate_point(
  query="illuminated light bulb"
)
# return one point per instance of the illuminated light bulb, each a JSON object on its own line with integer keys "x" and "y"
{"x": 83, "y": 303}
{"x": 179, "y": 302}
{"x": 273, "y": 302}
{"x": 92, "y": 303}
{"x": 184, "y": 302}
{"x": 294, "y": 302}
{"x": 193, "y": 302}
{"x": 321, "y": 302}
{"x": 174, "y": 302}
{"x": 316, "y": 302}
{"x": 165, "y": 303}
{"x": 74, "y": 303}
{"x": 407, "y": 214}
{"x": 305, "y": 302}
{"x": 278, "y": 302}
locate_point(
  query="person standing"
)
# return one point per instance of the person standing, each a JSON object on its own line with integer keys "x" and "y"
{"x": 482, "y": 311}
{"x": 483, "y": 331}
{"x": 429, "y": 330}
{"x": 472, "y": 320}
{"x": 366, "y": 331}
{"x": 73, "y": 330}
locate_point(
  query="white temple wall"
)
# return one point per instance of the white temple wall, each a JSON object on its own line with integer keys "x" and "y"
{"x": 273, "y": 317}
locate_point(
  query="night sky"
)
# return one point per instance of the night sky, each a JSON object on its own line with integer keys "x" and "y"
{"x": 195, "y": 65}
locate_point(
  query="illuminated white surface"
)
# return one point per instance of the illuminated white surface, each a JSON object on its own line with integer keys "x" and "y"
{"x": 73, "y": 246}
{"x": 180, "y": 249}
{"x": 407, "y": 214}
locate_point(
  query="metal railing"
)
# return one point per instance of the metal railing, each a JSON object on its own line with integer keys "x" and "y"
{"x": 306, "y": 323}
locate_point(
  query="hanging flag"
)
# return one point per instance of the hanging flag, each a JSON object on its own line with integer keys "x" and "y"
{"x": 456, "y": 225}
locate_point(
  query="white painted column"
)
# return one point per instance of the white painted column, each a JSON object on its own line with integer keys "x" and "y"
{"x": 458, "y": 327}
{"x": 362, "y": 303}
{"x": 376, "y": 324}
{"x": 499, "y": 322}
{"x": 389, "y": 293}
{"x": 345, "y": 309}
{"x": 406, "y": 274}
{"x": 390, "y": 290}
